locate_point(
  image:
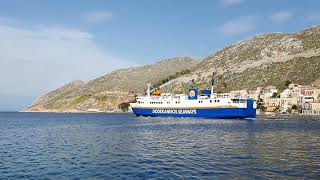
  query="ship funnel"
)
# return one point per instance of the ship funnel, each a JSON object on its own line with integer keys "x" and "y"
{"x": 193, "y": 94}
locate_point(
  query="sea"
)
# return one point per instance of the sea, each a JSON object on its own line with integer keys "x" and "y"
{"x": 121, "y": 146}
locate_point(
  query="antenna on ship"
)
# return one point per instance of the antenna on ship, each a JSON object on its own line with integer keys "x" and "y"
{"x": 148, "y": 91}
{"x": 212, "y": 83}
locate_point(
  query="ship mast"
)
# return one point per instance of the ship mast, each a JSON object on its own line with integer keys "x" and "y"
{"x": 148, "y": 91}
{"x": 212, "y": 82}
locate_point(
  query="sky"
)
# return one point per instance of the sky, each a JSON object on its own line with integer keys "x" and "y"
{"x": 45, "y": 44}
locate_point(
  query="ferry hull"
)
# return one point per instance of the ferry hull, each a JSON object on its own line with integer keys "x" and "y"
{"x": 221, "y": 113}
{"x": 206, "y": 111}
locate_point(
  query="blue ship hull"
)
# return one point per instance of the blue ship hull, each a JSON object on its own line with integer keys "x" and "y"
{"x": 225, "y": 113}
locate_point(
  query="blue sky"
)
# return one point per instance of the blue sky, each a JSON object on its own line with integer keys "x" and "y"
{"x": 47, "y": 43}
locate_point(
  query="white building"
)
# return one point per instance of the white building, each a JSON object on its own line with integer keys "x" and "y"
{"x": 281, "y": 103}
{"x": 271, "y": 89}
{"x": 316, "y": 95}
{"x": 254, "y": 94}
{"x": 286, "y": 93}
{"x": 306, "y": 99}
{"x": 313, "y": 110}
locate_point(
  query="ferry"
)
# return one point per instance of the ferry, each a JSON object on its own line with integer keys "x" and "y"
{"x": 203, "y": 104}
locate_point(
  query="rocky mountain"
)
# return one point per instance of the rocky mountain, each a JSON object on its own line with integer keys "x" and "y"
{"x": 106, "y": 93}
{"x": 262, "y": 60}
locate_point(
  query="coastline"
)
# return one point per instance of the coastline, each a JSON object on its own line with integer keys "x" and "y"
{"x": 268, "y": 114}
{"x": 109, "y": 112}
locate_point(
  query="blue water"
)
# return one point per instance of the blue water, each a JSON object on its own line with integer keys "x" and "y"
{"x": 120, "y": 146}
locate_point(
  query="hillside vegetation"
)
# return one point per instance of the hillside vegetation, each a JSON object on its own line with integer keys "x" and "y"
{"x": 262, "y": 60}
{"x": 107, "y": 92}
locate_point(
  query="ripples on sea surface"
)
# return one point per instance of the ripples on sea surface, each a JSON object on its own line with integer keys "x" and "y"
{"x": 120, "y": 146}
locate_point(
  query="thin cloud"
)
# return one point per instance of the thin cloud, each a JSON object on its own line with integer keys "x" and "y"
{"x": 98, "y": 16}
{"x": 281, "y": 16}
{"x": 231, "y": 2}
{"x": 36, "y": 59}
{"x": 238, "y": 26}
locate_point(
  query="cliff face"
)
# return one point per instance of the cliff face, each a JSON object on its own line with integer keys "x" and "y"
{"x": 106, "y": 93}
{"x": 262, "y": 60}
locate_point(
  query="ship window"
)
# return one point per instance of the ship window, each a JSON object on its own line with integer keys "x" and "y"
{"x": 235, "y": 100}
{"x": 210, "y": 101}
{"x": 218, "y": 100}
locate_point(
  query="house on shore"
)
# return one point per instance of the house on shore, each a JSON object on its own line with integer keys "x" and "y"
{"x": 283, "y": 103}
{"x": 295, "y": 97}
{"x": 313, "y": 109}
